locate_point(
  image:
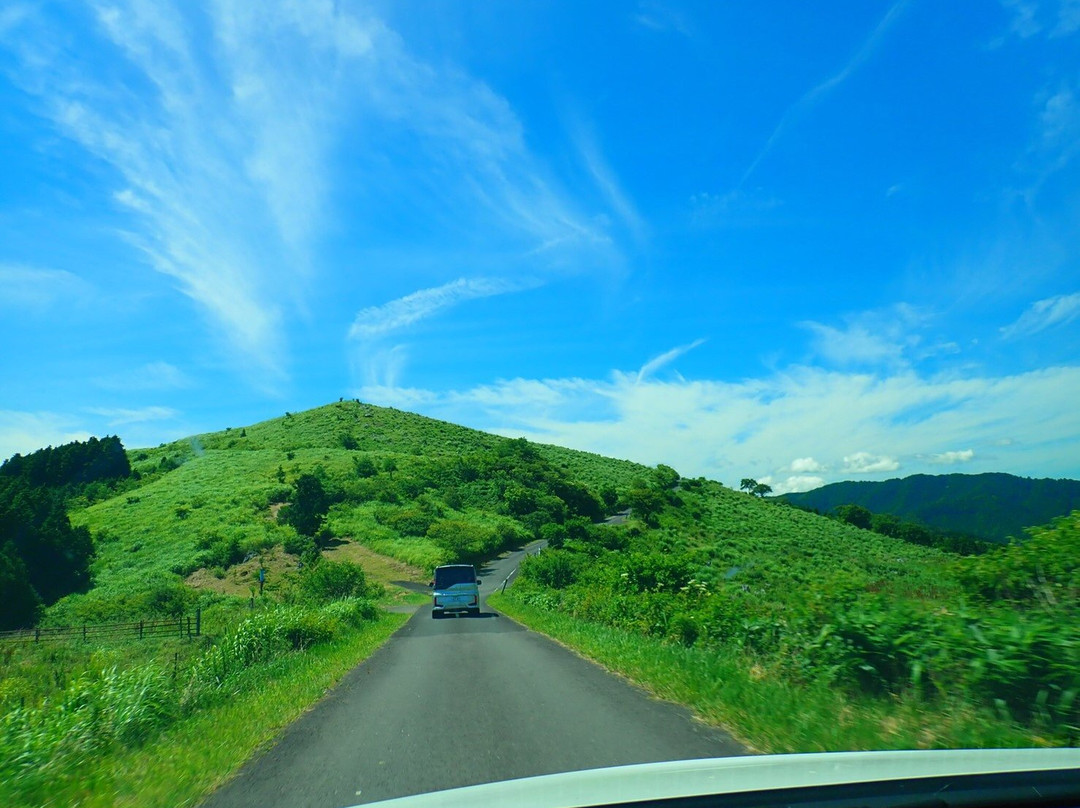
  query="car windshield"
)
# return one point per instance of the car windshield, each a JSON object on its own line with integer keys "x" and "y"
{"x": 445, "y": 577}
{"x": 737, "y": 344}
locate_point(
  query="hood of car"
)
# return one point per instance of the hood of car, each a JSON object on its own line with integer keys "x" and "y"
{"x": 652, "y": 782}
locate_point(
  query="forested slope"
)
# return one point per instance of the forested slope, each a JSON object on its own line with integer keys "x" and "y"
{"x": 991, "y": 506}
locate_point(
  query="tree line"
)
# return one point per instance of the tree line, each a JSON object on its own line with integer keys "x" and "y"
{"x": 42, "y": 556}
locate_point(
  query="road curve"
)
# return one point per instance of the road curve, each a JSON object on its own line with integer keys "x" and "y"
{"x": 460, "y": 701}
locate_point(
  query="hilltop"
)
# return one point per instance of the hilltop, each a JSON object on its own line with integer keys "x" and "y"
{"x": 993, "y": 506}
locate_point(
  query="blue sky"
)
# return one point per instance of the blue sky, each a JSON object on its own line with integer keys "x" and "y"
{"x": 798, "y": 242}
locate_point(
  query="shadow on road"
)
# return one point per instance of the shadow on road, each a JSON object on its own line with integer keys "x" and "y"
{"x": 412, "y": 586}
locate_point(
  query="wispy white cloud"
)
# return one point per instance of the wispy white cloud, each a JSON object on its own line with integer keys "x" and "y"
{"x": 378, "y": 321}
{"x": 814, "y": 96}
{"x": 382, "y": 365}
{"x": 606, "y": 181}
{"x": 11, "y": 15}
{"x": 734, "y": 208}
{"x": 121, "y": 416}
{"x": 662, "y": 17}
{"x": 25, "y": 432}
{"x": 884, "y": 336}
{"x": 23, "y": 287}
{"x": 1068, "y": 21}
{"x": 1043, "y": 314}
{"x": 151, "y": 376}
{"x": 1024, "y": 22}
{"x": 221, "y": 123}
{"x": 953, "y": 457}
{"x": 666, "y": 358}
{"x": 1054, "y": 18}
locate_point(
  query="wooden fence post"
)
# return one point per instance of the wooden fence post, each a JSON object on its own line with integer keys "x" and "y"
{"x": 198, "y": 620}
{"x": 140, "y": 629}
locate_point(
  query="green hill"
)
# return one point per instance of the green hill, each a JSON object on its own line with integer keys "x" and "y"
{"x": 426, "y": 492}
{"x": 212, "y": 500}
{"x": 805, "y": 604}
{"x": 993, "y": 507}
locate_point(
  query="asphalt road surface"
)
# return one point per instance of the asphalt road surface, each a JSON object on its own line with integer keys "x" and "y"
{"x": 459, "y": 701}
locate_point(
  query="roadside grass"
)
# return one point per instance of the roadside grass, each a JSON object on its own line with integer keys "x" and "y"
{"x": 766, "y": 713}
{"x": 187, "y": 760}
{"x": 32, "y": 672}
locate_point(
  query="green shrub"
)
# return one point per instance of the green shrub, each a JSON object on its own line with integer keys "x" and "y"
{"x": 332, "y": 580}
{"x": 222, "y": 553}
{"x": 352, "y": 611}
{"x": 552, "y": 568}
{"x": 300, "y": 545}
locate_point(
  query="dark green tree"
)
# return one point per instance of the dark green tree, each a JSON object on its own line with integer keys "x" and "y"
{"x": 22, "y": 606}
{"x": 309, "y": 506}
{"x": 364, "y": 466}
{"x": 855, "y": 515}
{"x": 645, "y": 502}
{"x": 666, "y": 476}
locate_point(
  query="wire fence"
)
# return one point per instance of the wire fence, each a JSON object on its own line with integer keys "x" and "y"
{"x": 184, "y": 626}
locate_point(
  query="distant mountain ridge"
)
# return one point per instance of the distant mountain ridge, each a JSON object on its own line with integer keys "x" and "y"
{"x": 991, "y": 506}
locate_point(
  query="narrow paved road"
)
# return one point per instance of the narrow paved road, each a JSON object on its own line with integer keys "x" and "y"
{"x": 459, "y": 701}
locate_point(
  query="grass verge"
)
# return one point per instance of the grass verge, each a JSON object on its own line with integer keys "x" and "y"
{"x": 188, "y": 760}
{"x": 728, "y": 689}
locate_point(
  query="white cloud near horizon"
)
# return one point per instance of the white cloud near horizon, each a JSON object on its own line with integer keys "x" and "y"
{"x": 866, "y": 463}
{"x": 853, "y": 423}
{"x": 25, "y": 432}
{"x": 1043, "y": 314}
{"x": 952, "y": 457}
{"x": 794, "y": 485}
{"x": 805, "y": 465}
{"x": 122, "y": 416}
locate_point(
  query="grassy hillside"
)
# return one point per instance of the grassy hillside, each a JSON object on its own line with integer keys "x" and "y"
{"x": 211, "y": 501}
{"x": 912, "y": 646}
{"x": 993, "y": 507}
{"x": 788, "y": 608}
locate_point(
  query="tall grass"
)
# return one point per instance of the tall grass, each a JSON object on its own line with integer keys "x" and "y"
{"x": 52, "y": 747}
{"x": 764, "y": 709}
